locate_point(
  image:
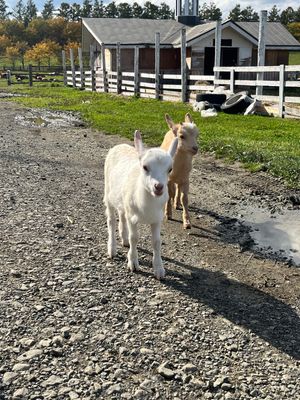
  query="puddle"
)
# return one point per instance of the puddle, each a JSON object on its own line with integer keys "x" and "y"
{"x": 275, "y": 234}
{"x": 4, "y": 95}
{"x": 43, "y": 118}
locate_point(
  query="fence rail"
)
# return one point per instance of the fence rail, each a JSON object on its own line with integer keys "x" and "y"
{"x": 170, "y": 86}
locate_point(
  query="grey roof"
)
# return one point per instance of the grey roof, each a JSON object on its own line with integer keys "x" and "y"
{"x": 275, "y": 33}
{"x": 134, "y": 31}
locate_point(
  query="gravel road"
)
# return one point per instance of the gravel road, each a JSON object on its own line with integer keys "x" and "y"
{"x": 225, "y": 323}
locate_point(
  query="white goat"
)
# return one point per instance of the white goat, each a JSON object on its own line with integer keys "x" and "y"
{"x": 136, "y": 186}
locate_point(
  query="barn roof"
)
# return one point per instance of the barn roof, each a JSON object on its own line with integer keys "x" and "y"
{"x": 141, "y": 32}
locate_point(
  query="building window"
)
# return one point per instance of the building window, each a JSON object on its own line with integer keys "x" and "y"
{"x": 224, "y": 42}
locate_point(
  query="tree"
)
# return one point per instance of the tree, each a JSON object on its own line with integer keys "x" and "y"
{"x": 137, "y": 10}
{"x": 3, "y": 7}
{"x": 98, "y": 9}
{"x": 42, "y": 52}
{"x": 19, "y": 11}
{"x": 14, "y": 29}
{"x": 287, "y": 16}
{"x": 274, "y": 14}
{"x": 294, "y": 28}
{"x": 249, "y": 15}
{"x": 48, "y": 9}
{"x": 111, "y": 10}
{"x": 22, "y": 47}
{"x": 64, "y": 11}
{"x": 72, "y": 32}
{"x": 38, "y": 30}
{"x": 57, "y": 28}
{"x": 75, "y": 12}
{"x": 246, "y": 14}
{"x": 210, "y": 12}
{"x": 150, "y": 11}
{"x": 12, "y": 53}
{"x": 87, "y": 9}
{"x": 165, "y": 12}
{"x": 30, "y": 12}
{"x": 4, "y": 43}
{"x": 124, "y": 10}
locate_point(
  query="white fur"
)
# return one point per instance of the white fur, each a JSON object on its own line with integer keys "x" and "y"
{"x": 137, "y": 195}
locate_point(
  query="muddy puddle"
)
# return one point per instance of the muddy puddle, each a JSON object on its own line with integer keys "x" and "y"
{"x": 47, "y": 118}
{"x": 277, "y": 235}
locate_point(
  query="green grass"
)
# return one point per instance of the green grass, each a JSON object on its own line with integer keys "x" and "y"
{"x": 260, "y": 143}
{"x": 294, "y": 58}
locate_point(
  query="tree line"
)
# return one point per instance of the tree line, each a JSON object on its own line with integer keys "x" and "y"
{"x": 27, "y": 34}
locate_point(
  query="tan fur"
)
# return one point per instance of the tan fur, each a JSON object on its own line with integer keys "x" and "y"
{"x": 178, "y": 183}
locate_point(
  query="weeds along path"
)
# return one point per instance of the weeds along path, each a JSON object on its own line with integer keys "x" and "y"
{"x": 223, "y": 325}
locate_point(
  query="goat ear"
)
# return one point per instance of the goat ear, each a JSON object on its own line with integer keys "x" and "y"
{"x": 173, "y": 147}
{"x": 188, "y": 118}
{"x": 138, "y": 142}
{"x": 171, "y": 124}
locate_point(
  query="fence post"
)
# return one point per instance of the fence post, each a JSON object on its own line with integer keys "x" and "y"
{"x": 30, "y": 74}
{"x": 218, "y": 36}
{"x": 73, "y": 67}
{"x": 81, "y": 68}
{"x": 157, "y": 64}
{"x": 64, "y": 65}
{"x": 92, "y": 68}
{"x": 105, "y": 89}
{"x": 118, "y": 68}
{"x": 281, "y": 91}
{"x": 232, "y": 80}
{"x": 8, "y": 76}
{"x": 183, "y": 66}
{"x": 136, "y": 71}
{"x": 261, "y": 49}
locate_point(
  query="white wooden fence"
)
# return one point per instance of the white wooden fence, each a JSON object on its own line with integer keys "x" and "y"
{"x": 184, "y": 86}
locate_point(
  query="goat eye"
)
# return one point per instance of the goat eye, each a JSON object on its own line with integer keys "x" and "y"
{"x": 145, "y": 168}
{"x": 170, "y": 170}
{"x": 181, "y": 136}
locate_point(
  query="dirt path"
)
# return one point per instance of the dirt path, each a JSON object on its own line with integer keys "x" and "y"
{"x": 225, "y": 324}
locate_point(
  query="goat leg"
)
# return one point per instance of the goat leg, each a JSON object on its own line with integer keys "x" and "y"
{"x": 185, "y": 203}
{"x": 158, "y": 268}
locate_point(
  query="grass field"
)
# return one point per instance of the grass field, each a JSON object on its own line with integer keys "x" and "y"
{"x": 260, "y": 143}
{"x": 294, "y": 58}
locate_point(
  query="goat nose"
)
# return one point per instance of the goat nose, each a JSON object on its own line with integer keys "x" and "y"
{"x": 159, "y": 187}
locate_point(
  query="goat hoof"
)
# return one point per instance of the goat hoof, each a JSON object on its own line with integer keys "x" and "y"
{"x": 160, "y": 273}
{"x": 125, "y": 243}
{"x": 112, "y": 253}
{"x": 187, "y": 225}
{"x": 133, "y": 266}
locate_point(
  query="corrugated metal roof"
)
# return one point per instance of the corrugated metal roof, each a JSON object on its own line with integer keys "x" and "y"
{"x": 132, "y": 30}
{"x": 275, "y": 33}
{"x": 135, "y": 31}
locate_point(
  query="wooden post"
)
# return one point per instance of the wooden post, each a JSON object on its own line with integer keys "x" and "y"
{"x": 186, "y": 7}
{"x": 8, "y": 77}
{"x": 136, "y": 70}
{"x": 178, "y": 10}
{"x": 157, "y": 64}
{"x": 218, "y": 36}
{"x": 30, "y": 74}
{"x": 73, "y": 67}
{"x": 261, "y": 48}
{"x": 81, "y": 68}
{"x": 105, "y": 89}
{"x": 64, "y": 65}
{"x": 281, "y": 91}
{"x": 183, "y": 66}
{"x": 92, "y": 67}
{"x": 118, "y": 68}
{"x": 232, "y": 80}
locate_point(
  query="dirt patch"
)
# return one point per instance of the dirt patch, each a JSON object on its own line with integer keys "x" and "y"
{"x": 223, "y": 325}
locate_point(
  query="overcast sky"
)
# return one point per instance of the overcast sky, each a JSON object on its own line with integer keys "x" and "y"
{"x": 224, "y": 5}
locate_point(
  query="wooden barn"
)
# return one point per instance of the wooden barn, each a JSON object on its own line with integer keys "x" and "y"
{"x": 239, "y": 42}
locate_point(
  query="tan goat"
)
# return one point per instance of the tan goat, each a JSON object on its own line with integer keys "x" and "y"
{"x": 178, "y": 184}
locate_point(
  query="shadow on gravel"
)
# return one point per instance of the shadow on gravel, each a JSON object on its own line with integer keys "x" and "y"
{"x": 269, "y": 318}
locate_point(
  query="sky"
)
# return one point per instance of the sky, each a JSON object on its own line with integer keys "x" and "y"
{"x": 225, "y": 5}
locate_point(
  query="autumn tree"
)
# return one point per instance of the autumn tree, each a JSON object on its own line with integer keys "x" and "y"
{"x": 42, "y": 52}
{"x": 12, "y": 53}
{"x": 4, "y": 43}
